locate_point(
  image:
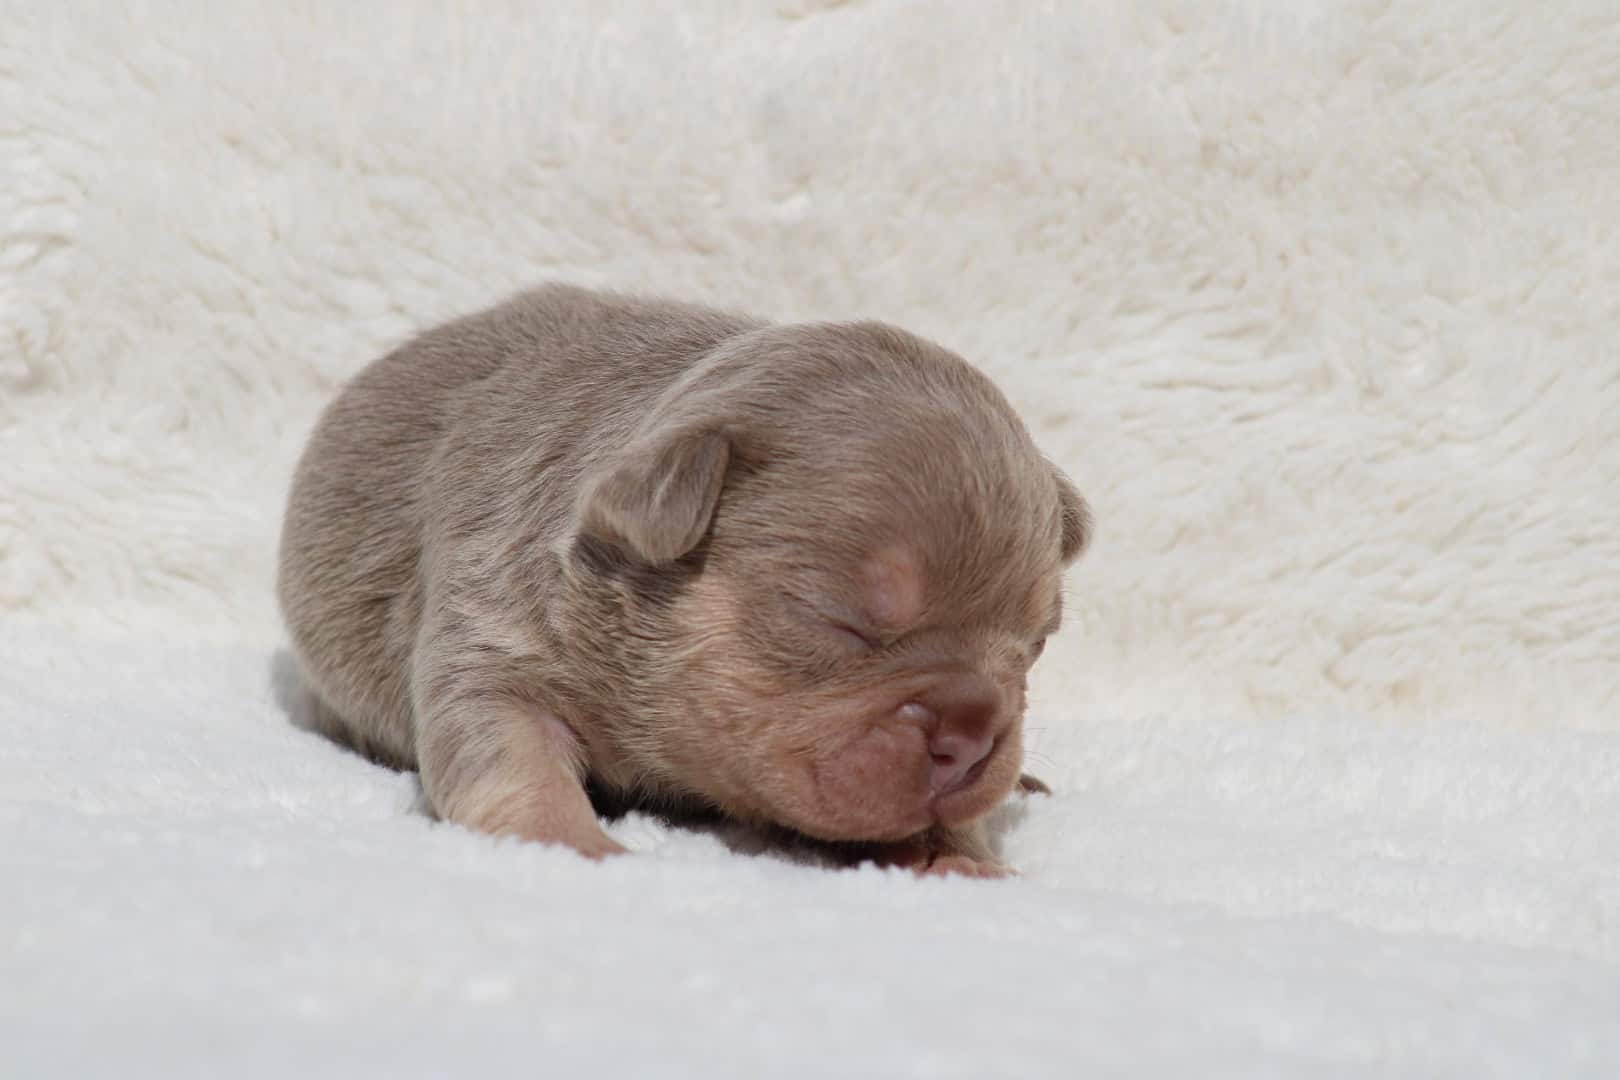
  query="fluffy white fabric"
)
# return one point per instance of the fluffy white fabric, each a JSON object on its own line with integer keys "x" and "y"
{"x": 1318, "y": 303}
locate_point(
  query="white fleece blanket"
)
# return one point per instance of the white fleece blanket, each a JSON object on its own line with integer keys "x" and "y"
{"x": 1319, "y": 304}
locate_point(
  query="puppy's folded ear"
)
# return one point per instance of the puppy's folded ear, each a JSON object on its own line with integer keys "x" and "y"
{"x": 1075, "y": 518}
{"x": 654, "y": 498}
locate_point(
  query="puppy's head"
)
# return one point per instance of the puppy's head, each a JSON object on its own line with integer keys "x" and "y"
{"x": 846, "y": 553}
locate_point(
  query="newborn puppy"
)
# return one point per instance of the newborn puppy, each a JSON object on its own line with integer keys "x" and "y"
{"x": 795, "y": 574}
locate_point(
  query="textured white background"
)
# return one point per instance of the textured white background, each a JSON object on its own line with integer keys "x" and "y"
{"x": 1319, "y": 304}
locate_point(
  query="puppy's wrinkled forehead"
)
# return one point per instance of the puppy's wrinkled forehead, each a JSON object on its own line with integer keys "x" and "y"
{"x": 899, "y": 467}
{"x": 910, "y": 556}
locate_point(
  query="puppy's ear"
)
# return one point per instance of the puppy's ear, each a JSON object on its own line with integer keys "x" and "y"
{"x": 1075, "y": 518}
{"x": 654, "y": 499}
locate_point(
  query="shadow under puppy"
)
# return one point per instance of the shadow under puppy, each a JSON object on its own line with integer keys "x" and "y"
{"x": 796, "y": 574}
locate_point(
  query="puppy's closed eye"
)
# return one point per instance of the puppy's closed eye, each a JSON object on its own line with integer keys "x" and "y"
{"x": 849, "y": 637}
{"x": 837, "y": 632}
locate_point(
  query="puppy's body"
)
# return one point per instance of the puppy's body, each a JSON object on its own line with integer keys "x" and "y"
{"x": 785, "y": 572}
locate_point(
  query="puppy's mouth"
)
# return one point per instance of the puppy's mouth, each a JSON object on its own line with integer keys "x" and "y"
{"x": 881, "y": 790}
{"x": 969, "y": 778}
{"x": 979, "y": 790}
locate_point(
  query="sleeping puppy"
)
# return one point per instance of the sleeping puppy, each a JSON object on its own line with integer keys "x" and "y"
{"x": 795, "y": 574}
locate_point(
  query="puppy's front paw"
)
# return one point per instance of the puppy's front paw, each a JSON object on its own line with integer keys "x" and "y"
{"x": 509, "y": 768}
{"x": 967, "y": 866}
{"x": 598, "y": 846}
{"x": 961, "y": 851}
{"x": 547, "y": 817}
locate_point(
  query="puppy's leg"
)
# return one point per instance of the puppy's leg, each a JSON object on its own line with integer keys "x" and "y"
{"x": 966, "y": 850}
{"x": 501, "y": 765}
{"x": 962, "y": 849}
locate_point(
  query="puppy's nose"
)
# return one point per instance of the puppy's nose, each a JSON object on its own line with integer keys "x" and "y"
{"x": 959, "y": 716}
